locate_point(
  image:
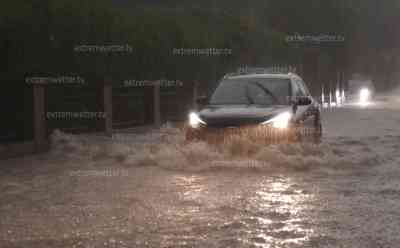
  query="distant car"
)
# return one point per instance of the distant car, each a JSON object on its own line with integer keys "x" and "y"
{"x": 267, "y": 105}
{"x": 360, "y": 91}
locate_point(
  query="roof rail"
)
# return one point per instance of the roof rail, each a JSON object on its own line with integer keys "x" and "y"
{"x": 261, "y": 70}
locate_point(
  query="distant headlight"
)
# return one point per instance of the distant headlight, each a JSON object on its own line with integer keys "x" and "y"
{"x": 280, "y": 121}
{"x": 195, "y": 121}
{"x": 365, "y": 95}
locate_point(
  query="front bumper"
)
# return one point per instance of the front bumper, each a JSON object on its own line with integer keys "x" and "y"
{"x": 263, "y": 133}
{"x": 257, "y": 133}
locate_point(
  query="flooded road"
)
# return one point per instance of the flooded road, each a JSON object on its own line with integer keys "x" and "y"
{"x": 242, "y": 210}
{"x": 152, "y": 191}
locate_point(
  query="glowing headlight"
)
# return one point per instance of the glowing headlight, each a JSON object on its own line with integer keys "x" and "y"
{"x": 280, "y": 121}
{"x": 195, "y": 121}
{"x": 365, "y": 95}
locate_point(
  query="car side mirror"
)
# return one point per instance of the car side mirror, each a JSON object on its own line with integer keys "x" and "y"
{"x": 303, "y": 101}
{"x": 202, "y": 100}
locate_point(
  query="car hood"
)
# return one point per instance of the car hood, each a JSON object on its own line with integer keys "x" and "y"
{"x": 239, "y": 115}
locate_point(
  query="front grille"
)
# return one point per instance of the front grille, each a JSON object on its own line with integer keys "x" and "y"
{"x": 232, "y": 122}
{"x": 257, "y": 133}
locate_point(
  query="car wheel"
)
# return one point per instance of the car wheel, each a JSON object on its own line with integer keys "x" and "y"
{"x": 317, "y": 127}
{"x": 191, "y": 134}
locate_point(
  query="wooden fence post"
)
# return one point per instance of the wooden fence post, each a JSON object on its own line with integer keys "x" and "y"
{"x": 156, "y": 104}
{"x": 39, "y": 118}
{"x": 107, "y": 98}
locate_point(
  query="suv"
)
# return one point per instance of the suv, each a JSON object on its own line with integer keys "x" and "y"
{"x": 270, "y": 105}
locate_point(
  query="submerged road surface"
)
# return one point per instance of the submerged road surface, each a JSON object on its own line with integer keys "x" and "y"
{"x": 153, "y": 191}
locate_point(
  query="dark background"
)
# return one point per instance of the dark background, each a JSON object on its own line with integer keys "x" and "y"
{"x": 38, "y": 39}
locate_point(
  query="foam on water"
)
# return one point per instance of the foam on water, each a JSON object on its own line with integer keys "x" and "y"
{"x": 167, "y": 149}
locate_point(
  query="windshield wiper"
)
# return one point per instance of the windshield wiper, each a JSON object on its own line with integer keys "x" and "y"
{"x": 267, "y": 91}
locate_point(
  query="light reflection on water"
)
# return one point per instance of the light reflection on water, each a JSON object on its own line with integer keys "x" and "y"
{"x": 191, "y": 185}
{"x": 284, "y": 210}
{"x": 234, "y": 212}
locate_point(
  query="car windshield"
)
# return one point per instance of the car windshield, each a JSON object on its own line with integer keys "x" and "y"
{"x": 258, "y": 91}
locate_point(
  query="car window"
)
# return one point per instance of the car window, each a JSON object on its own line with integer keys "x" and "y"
{"x": 265, "y": 91}
{"x": 257, "y": 95}
{"x": 295, "y": 88}
{"x": 303, "y": 87}
{"x": 298, "y": 88}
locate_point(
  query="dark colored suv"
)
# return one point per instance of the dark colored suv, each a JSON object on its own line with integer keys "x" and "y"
{"x": 270, "y": 105}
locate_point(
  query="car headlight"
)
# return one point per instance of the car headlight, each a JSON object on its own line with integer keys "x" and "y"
{"x": 280, "y": 121}
{"x": 365, "y": 95}
{"x": 195, "y": 121}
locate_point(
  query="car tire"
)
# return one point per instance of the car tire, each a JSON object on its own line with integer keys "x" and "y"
{"x": 317, "y": 128}
{"x": 191, "y": 134}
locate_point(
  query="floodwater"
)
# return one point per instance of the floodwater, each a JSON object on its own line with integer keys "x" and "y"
{"x": 154, "y": 191}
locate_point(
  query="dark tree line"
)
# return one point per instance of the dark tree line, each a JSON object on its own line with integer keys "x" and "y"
{"x": 39, "y": 36}
{"x": 39, "y": 39}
